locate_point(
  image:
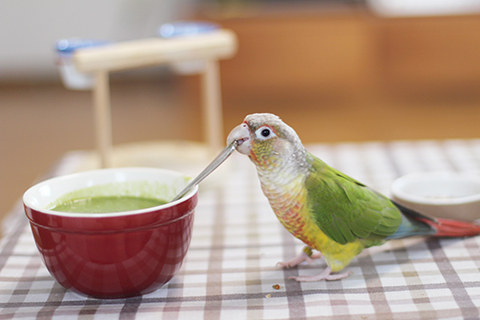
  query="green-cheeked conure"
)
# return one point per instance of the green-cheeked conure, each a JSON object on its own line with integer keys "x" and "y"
{"x": 329, "y": 211}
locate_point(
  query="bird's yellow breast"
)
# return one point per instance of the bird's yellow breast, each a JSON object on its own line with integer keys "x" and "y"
{"x": 290, "y": 204}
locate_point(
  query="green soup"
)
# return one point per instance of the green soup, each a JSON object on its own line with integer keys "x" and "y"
{"x": 104, "y": 204}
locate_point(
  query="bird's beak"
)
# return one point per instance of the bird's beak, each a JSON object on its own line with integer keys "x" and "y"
{"x": 241, "y": 133}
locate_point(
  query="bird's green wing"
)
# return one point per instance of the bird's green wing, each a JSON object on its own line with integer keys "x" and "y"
{"x": 345, "y": 209}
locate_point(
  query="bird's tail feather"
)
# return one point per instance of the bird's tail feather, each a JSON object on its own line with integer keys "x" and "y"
{"x": 441, "y": 227}
{"x": 452, "y": 228}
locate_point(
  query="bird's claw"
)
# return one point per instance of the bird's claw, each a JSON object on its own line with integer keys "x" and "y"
{"x": 299, "y": 259}
{"x": 325, "y": 275}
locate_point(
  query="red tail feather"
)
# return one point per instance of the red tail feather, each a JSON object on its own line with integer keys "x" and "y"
{"x": 453, "y": 228}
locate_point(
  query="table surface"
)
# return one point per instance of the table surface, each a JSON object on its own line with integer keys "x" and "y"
{"x": 230, "y": 273}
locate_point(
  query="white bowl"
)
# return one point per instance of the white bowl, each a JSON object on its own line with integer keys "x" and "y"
{"x": 440, "y": 194}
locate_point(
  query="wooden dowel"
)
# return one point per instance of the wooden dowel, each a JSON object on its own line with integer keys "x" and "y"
{"x": 212, "y": 107}
{"x": 103, "y": 121}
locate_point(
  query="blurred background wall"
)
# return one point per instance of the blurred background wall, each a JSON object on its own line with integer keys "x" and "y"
{"x": 335, "y": 70}
{"x": 29, "y": 29}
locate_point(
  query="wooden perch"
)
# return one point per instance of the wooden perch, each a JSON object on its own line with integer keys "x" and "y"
{"x": 216, "y": 45}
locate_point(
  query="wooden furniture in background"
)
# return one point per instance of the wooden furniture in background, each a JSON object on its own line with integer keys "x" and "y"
{"x": 350, "y": 49}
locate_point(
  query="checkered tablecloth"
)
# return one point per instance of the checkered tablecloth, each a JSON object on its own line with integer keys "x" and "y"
{"x": 229, "y": 272}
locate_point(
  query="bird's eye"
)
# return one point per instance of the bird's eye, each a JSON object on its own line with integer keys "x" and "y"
{"x": 264, "y": 133}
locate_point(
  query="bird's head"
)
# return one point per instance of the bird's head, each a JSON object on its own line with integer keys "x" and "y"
{"x": 266, "y": 139}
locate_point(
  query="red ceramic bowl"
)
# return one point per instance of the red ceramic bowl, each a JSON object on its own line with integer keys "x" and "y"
{"x": 113, "y": 255}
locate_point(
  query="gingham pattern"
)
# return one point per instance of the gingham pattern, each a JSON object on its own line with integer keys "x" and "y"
{"x": 230, "y": 273}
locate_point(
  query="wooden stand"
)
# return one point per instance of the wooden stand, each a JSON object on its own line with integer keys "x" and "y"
{"x": 209, "y": 47}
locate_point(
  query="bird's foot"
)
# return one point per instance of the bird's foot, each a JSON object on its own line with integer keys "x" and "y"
{"x": 306, "y": 255}
{"x": 324, "y": 275}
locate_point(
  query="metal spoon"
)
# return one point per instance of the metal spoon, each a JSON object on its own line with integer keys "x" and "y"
{"x": 222, "y": 156}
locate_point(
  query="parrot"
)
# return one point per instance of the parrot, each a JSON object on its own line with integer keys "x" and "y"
{"x": 334, "y": 215}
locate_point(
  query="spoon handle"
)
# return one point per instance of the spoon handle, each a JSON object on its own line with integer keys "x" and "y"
{"x": 222, "y": 156}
